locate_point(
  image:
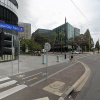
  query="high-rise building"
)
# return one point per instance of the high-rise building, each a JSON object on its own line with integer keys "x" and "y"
{"x": 27, "y": 30}
{"x": 8, "y": 11}
{"x": 48, "y": 32}
{"x": 9, "y": 25}
{"x": 69, "y": 31}
{"x": 76, "y": 32}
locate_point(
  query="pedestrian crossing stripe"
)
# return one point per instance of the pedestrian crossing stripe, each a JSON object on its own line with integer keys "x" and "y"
{"x": 7, "y": 84}
{"x": 11, "y": 91}
{"x": 4, "y": 79}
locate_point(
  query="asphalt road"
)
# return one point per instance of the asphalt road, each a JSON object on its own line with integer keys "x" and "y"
{"x": 91, "y": 90}
{"x": 31, "y": 85}
{"x": 26, "y": 86}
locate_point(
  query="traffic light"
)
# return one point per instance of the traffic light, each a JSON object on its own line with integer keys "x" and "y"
{"x": 7, "y": 50}
{"x": 5, "y": 44}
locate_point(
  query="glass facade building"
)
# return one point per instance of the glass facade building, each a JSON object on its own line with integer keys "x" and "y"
{"x": 69, "y": 31}
{"x": 8, "y": 14}
{"x": 76, "y": 32}
{"x": 49, "y": 32}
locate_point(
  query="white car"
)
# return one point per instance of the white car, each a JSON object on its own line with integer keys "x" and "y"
{"x": 75, "y": 52}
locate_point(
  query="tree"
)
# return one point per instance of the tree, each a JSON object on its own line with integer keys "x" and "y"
{"x": 42, "y": 38}
{"x": 54, "y": 35}
{"x": 61, "y": 34}
{"x": 33, "y": 46}
{"x": 89, "y": 38}
{"x": 83, "y": 40}
{"x": 23, "y": 43}
{"x": 97, "y": 45}
{"x": 71, "y": 42}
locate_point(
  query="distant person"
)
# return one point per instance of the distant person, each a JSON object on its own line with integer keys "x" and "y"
{"x": 39, "y": 53}
{"x": 71, "y": 57}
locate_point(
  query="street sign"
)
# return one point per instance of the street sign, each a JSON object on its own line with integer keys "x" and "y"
{"x": 11, "y": 27}
{"x": 47, "y": 46}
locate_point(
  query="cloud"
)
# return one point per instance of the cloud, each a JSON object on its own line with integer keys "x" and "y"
{"x": 49, "y": 14}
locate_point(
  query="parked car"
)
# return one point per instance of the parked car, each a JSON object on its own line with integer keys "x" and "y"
{"x": 76, "y": 52}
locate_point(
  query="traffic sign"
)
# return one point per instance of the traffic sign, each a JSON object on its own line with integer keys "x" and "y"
{"x": 47, "y": 46}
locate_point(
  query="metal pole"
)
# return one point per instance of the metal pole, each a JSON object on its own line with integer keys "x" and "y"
{"x": 85, "y": 48}
{"x": 89, "y": 43}
{"x": 65, "y": 37}
{"x": 46, "y": 66}
{"x": 12, "y": 56}
{"x": 18, "y": 55}
{"x": 98, "y": 47}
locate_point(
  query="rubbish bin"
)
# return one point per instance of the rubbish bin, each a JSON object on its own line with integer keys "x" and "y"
{"x": 58, "y": 58}
{"x": 43, "y": 59}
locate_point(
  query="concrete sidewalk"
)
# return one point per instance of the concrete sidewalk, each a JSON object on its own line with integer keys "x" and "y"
{"x": 28, "y": 63}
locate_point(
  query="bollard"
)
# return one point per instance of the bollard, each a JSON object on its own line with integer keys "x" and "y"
{"x": 65, "y": 55}
{"x": 58, "y": 58}
{"x": 43, "y": 59}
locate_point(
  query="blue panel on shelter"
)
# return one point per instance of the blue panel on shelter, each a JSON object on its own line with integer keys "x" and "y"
{"x": 11, "y": 27}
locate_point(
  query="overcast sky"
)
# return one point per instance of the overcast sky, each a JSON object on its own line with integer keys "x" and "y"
{"x": 48, "y": 14}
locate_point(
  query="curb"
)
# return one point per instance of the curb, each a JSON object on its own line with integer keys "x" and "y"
{"x": 77, "y": 86}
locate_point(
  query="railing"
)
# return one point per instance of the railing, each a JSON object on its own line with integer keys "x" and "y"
{"x": 9, "y": 5}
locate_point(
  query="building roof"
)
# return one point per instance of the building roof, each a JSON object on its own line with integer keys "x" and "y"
{"x": 14, "y": 2}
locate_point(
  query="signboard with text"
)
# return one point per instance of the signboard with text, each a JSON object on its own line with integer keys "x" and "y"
{"x": 11, "y": 27}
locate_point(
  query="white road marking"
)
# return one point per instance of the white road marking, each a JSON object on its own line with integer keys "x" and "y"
{"x": 45, "y": 98}
{"x": 51, "y": 75}
{"x": 7, "y": 84}
{"x": 32, "y": 79}
{"x": 12, "y": 91}
{"x": 56, "y": 88}
{"x": 31, "y": 76}
{"x": 4, "y": 79}
{"x": 20, "y": 76}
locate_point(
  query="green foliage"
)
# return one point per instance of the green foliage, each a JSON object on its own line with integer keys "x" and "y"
{"x": 89, "y": 38}
{"x": 23, "y": 44}
{"x": 42, "y": 38}
{"x": 97, "y": 45}
{"x": 61, "y": 34}
{"x": 25, "y": 52}
{"x": 54, "y": 35}
{"x": 82, "y": 40}
{"x": 30, "y": 43}
{"x": 33, "y": 46}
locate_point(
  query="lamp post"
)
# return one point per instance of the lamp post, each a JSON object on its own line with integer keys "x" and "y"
{"x": 89, "y": 43}
{"x": 65, "y": 37}
{"x": 98, "y": 46}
